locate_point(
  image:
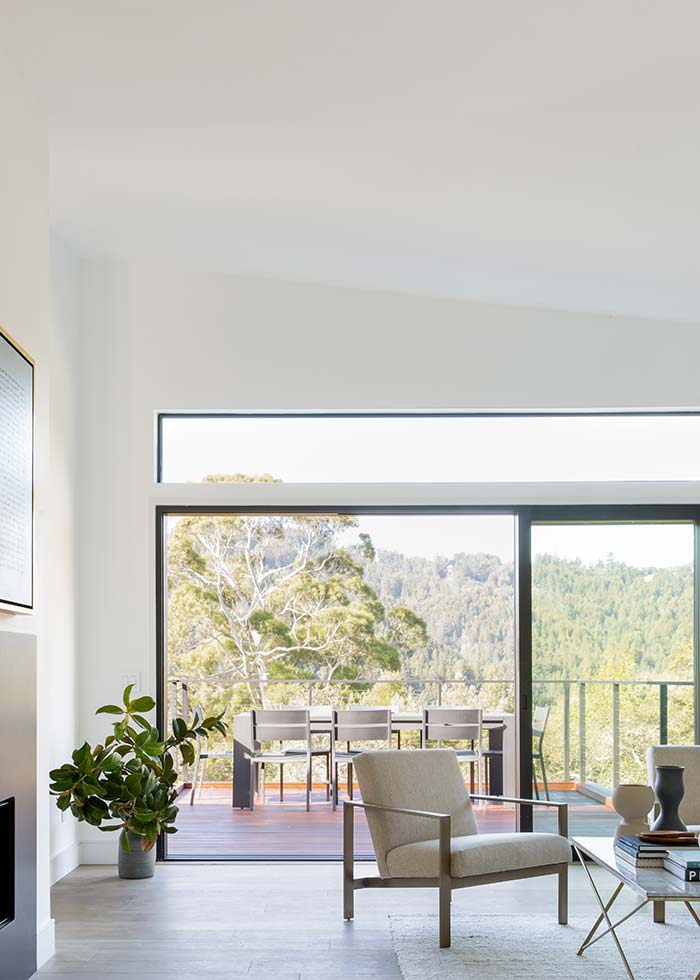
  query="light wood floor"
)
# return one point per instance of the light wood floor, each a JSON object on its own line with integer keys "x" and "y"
{"x": 258, "y": 921}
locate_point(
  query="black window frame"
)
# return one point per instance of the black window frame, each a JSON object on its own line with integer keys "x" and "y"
{"x": 525, "y": 518}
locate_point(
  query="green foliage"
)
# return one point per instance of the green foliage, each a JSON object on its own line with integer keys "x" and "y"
{"x": 259, "y": 602}
{"x": 261, "y": 597}
{"x": 131, "y": 778}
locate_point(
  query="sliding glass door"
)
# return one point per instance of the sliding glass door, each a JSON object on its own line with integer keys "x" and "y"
{"x": 613, "y": 657}
{"x": 403, "y": 610}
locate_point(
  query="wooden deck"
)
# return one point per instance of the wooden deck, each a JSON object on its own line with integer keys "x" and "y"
{"x": 213, "y": 829}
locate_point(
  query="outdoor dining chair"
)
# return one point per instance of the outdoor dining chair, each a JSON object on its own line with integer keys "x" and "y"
{"x": 457, "y": 725}
{"x": 354, "y": 725}
{"x": 284, "y": 725}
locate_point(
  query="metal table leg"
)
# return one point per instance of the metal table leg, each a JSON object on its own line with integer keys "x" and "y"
{"x": 604, "y": 915}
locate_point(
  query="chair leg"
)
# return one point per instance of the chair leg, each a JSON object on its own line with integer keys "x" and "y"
{"x": 471, "y": 778}
{"x": 308, "y": 785}
{"x": 194, "y": 781}
{"x": 348, "y": 860}
{"x": 544, "y": 778}
{"x": 350, "y": 779}
{"x": 534, "y": 779}
{"x": 262, "y": 788}
{"x": 328, "y": 777}
{"x": 480, "y": 774}
{"x": 445, "y": 910}
{"x": 659, "y": 912}
{"x": 253, "y": 781}
{"x": 334, "y": 787}
{"x": 281, "y": 783}
{"x": 564, "y": 895}
{"x": 201, "y": 776}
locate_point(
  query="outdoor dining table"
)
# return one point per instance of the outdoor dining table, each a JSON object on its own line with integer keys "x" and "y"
{"x": 500, "y": 728}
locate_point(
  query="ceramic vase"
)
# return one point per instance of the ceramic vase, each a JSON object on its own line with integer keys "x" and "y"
{"x": 136, "y": 863}
{"x": 669, "y": 793}
{"x": 633, "y": 802}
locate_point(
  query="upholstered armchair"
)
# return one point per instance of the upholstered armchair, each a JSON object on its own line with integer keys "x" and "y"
{"x": 425, "y": 835}
{"x": 689, "y": 757}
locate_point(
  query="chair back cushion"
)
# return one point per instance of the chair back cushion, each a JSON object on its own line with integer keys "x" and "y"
{"x": 680, "y": 755}
{"x": 424, "y": 779}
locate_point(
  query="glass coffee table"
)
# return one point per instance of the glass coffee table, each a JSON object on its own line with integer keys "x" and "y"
{"x": 652, "y": 885}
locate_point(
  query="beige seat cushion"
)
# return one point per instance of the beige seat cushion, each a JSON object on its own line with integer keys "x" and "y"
{"x": 422, "y": 779}
{"x": 480, "y": 854}
{"x": 680, "y": 755}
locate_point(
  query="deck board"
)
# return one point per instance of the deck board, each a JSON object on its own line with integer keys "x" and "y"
{"x": 212, "y": 828}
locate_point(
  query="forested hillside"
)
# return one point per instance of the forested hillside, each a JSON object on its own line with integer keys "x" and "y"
{"x": 584, "y": 615}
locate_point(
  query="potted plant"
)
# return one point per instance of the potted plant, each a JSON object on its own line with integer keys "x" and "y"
{"x": 131, "y": 780}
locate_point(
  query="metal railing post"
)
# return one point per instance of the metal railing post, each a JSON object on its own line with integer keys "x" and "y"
{"x": 439, "y": 693}
{"x": 567, "y": 732}
{"x": 173, "y": 700}
{"x": 616, "y": 733}
{"x": 185, "y": 714}
{"x": 663, "y": 714}
{"x": 311, "y": 693}
{"x": 582, "y": 732}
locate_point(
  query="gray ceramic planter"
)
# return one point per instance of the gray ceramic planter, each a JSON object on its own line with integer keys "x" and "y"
{"x": 136, "y": 863}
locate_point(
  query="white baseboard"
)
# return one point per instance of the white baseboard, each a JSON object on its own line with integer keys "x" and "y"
{"x": 99, "y": 851}
{"x": 64, "y": 862}
{"x": 45, "y": 942}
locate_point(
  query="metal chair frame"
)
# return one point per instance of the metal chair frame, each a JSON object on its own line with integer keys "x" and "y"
{"x": 459, "y": 724}
{"x": 284, "y": 725}
{"x": 353, "y": 725}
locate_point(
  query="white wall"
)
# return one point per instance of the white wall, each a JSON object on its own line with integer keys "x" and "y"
{"x": 24, "y": 312}
{"x": 62, "y": 539}
{"x": 159, "y": 337}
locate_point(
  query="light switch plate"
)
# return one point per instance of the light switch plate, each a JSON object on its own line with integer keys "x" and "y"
{"x": 133, "y": 678}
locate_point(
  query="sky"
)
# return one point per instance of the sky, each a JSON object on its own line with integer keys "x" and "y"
{"x": 370, "y": 450}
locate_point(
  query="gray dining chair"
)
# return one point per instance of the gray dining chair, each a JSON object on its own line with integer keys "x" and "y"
{"x": 540, "y": 716}
{"x": 284, "y": 725}
{"x": 457, "y": 725}
{"x": 353, "y": 725}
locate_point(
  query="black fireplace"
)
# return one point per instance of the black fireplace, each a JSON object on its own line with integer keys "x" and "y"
{"x": 7, "y": 861}
{"x": 18, "y": 782}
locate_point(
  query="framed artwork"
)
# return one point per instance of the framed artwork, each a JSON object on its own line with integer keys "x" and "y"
{"x": 16, "y": 477}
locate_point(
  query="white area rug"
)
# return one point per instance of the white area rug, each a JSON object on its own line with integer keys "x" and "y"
{"x": 494, "y": 947}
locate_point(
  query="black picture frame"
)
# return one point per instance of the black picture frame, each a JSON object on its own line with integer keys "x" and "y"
{"x": 18, "y": 384}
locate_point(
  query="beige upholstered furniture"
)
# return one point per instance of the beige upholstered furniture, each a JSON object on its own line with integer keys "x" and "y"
{"x": 680, "y": 755}
{"x": 425, "y": 835}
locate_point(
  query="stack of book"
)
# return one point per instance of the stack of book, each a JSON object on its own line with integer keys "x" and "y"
{"x": 684, "y": 863}
{"x": 635, "y": 854}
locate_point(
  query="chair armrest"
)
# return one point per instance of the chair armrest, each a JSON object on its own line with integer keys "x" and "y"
{"x": 444, "y": 833}
{"x": 561, "y": 808}
{"x": 397, "y": 809}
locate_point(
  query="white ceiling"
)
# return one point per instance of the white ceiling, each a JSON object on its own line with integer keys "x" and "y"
{"x": 535, "y": 152}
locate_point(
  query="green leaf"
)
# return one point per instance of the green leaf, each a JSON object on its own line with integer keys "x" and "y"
{"x": 179, "y": 728}
{"x": 109, "y": 709}
{"x": 145, "y": 703}
{"x": 127, "y": 694}
{"x": 63, "y": 802}
{"x": 124, "y": 841}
